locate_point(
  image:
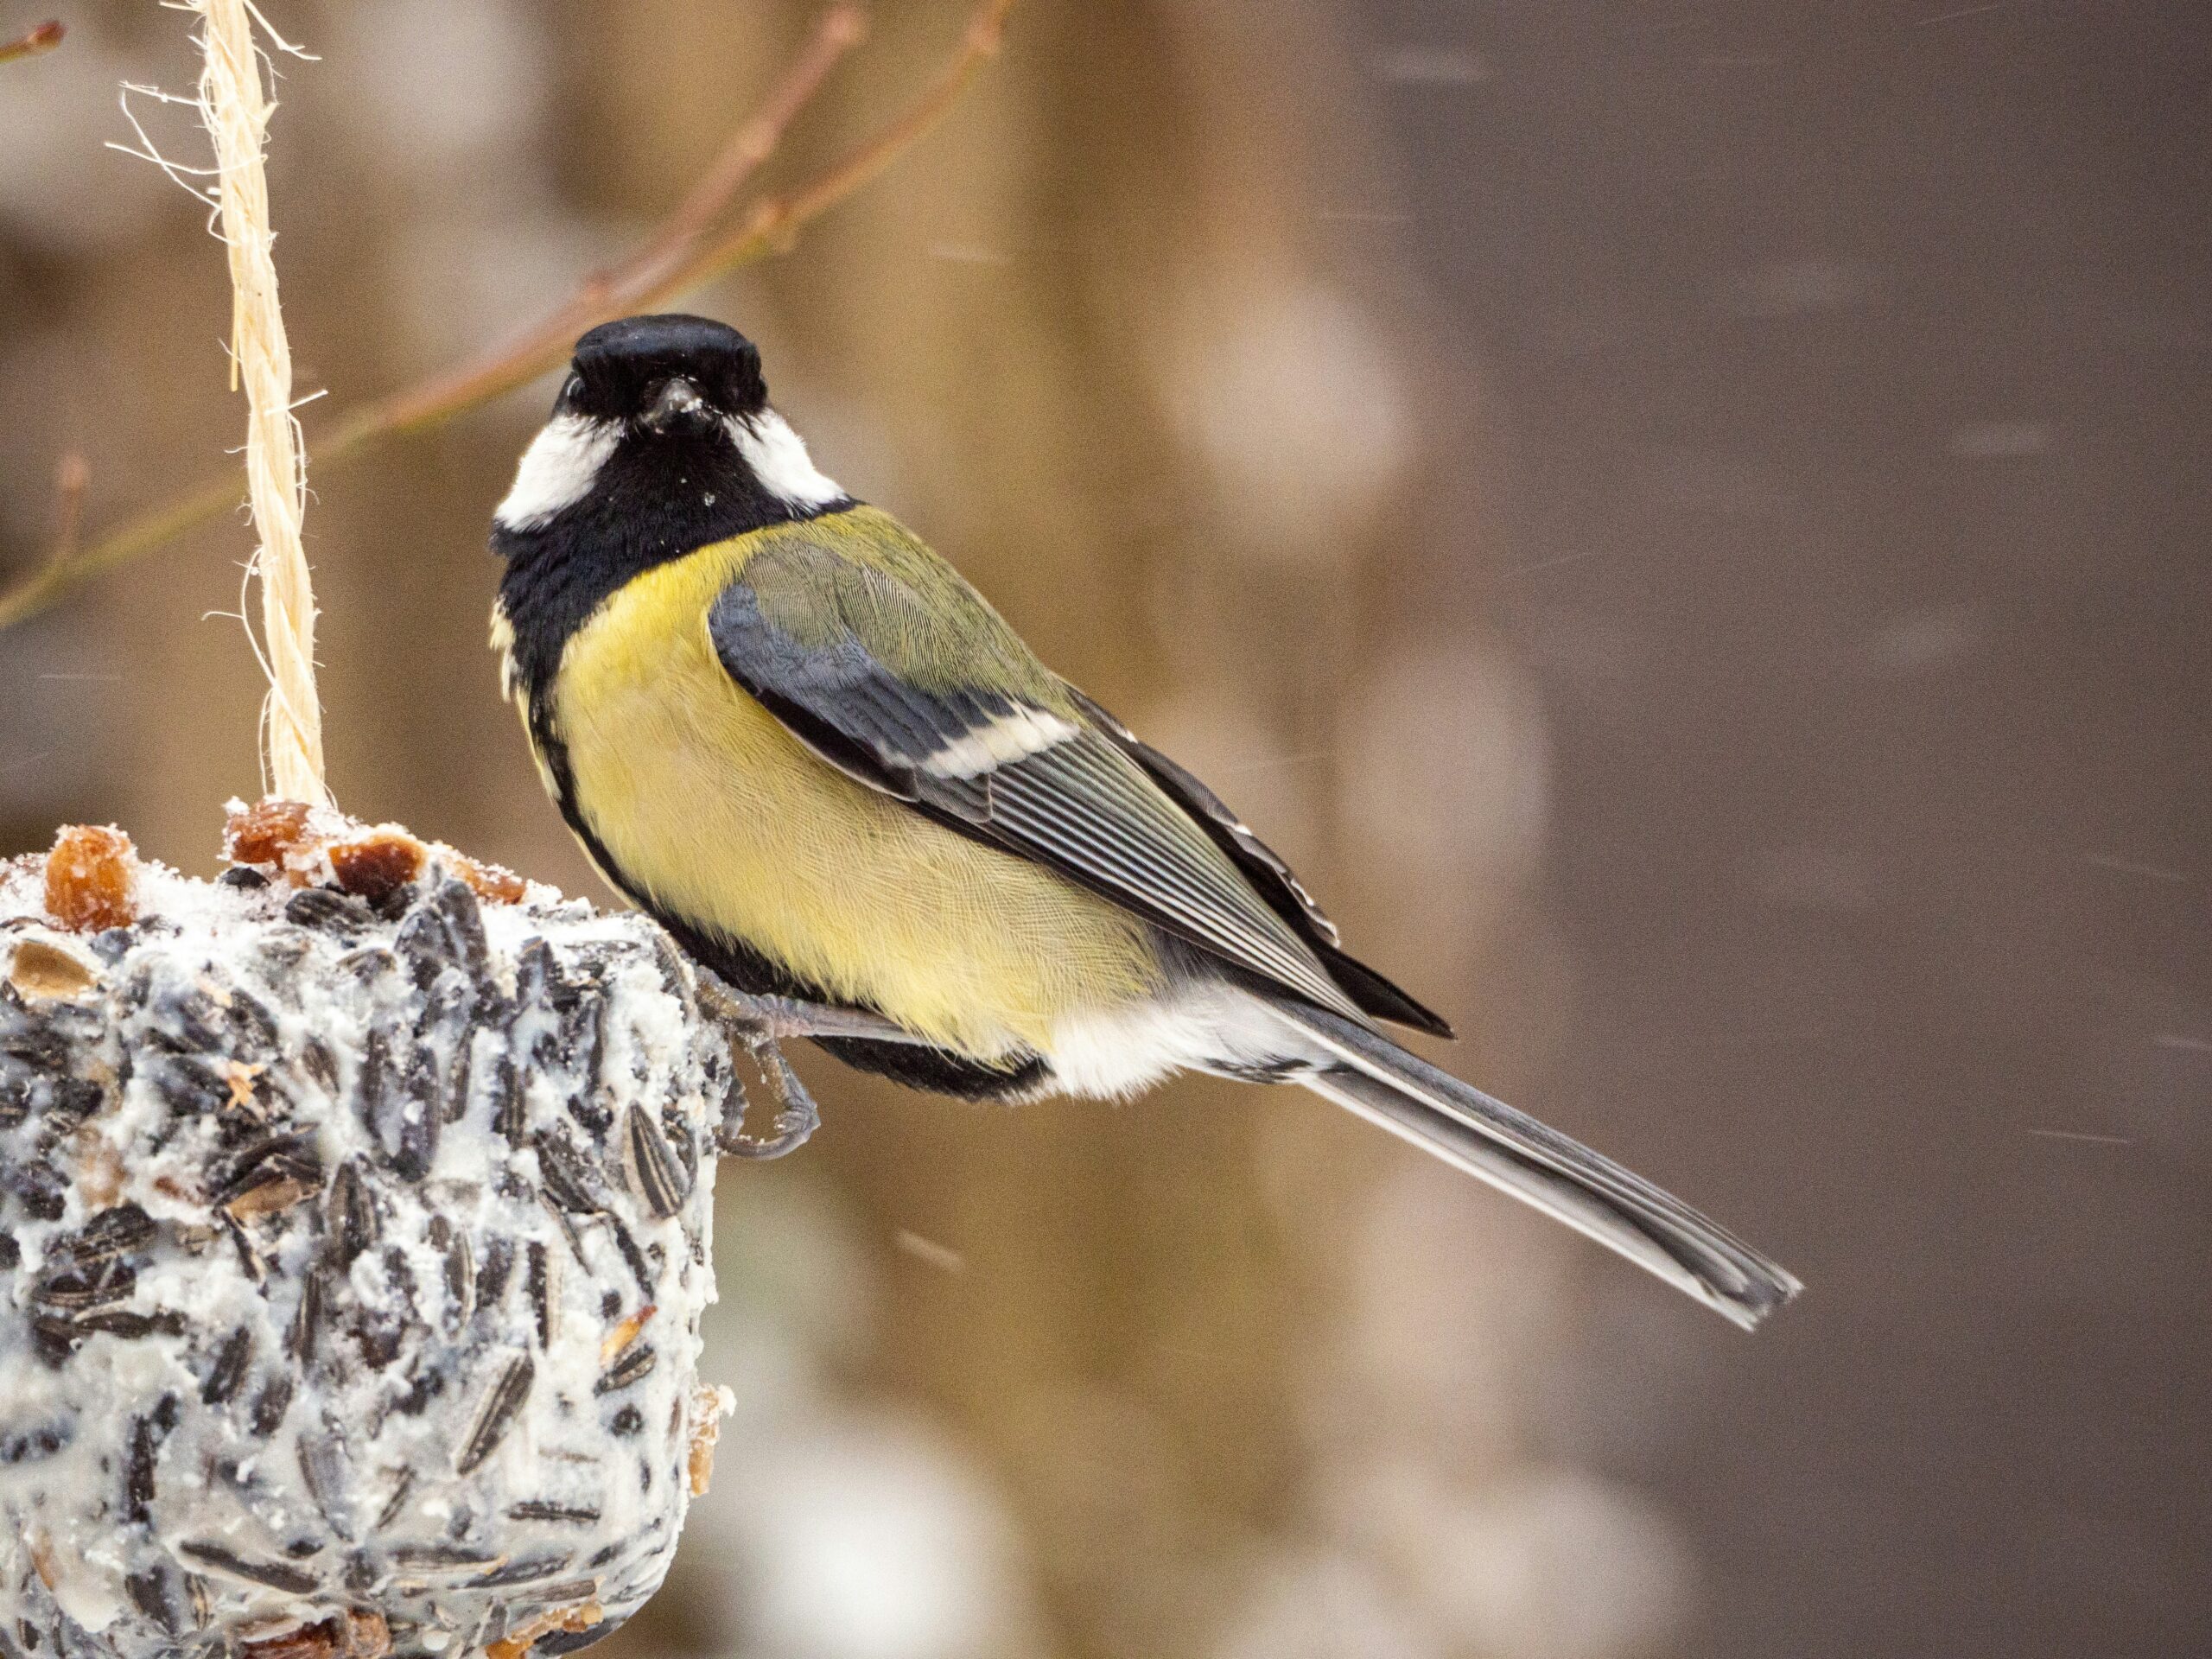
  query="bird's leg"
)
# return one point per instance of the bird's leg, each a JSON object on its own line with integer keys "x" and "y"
{"x": 759, "y": 1023}
{"x": 796, "y": 1117}
{"x": 758, "y": 1019}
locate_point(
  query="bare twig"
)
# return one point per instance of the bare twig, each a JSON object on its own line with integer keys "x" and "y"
{"x": 39, "y": 37}
{"x": 680, "y": 256}
{"x": 842, "y": 28}
{"x": 658, "y": 269}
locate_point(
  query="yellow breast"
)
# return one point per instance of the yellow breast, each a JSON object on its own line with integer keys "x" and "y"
{"x": 719, "y": 815}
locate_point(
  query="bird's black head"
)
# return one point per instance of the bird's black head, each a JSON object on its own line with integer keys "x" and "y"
{"x": 661, "y": 442}
{"x": 661, "y": 372}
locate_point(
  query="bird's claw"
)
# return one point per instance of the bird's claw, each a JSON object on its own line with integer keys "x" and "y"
{"x": 796, "y": 1117}
{"x": 761, "y": 1022}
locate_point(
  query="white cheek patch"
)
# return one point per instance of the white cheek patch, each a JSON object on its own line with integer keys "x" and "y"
{"x": 556, "y": 470}
{"x": 1010, "y": 737}
{"x": 779, "y": 459}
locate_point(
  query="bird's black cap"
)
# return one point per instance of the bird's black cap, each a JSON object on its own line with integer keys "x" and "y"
{"x": 620, "y": 365}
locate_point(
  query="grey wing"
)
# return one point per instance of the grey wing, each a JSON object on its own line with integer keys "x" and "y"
{"x": 1023, "y": 770}
{"x": 1273, "y": 878}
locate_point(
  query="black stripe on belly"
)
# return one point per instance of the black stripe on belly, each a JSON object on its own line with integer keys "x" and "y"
{"x": 938, "y": 1070}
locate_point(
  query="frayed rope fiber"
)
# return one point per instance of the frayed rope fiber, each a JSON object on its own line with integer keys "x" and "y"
{"x": 236, "y": 110}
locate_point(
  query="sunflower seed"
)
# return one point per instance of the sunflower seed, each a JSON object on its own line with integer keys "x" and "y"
{"x": 331, "y": 911}
{"x": 229, "y": 1369}
{"x": 276, "y": 1575}
{"x": 296, "y": 1158}
{"x": 538, "y": 979}
{"x": 189, "y": 1023}
{"x": 147, "y": 1434}
{"x": 635, "y": 1259}
{"x": 319, "y": 1063}
{"x": 651, "y": 1166}
{"x": 269, "y": 1407}
{"x": 323, "y": 1467}
{"x": 70, "y": 1100}
{"x": 253, "y": 1028}
{"x": 492, "y": 1277}
{"x": 569, "y": 1176}
{"x": 96, "y": 1287}
{"x": 54, "y": 1339}
{"x": 460, "y": 1270}
{"x": 541, "y": 1510}
{"x": 350, "y": 1214}
{"x": 153, "y": 1592}
{"x": 447, "y": 927}
{"x": 439, "y": 1556}
{"x": 394, "y": 1102}
{"x": 249, "y": 1258}
{"x": 123, "y": 1322}
{"x": 530, "y": 1569}
{"x": 569, "y": 1593}
{"x": 630, "y": 1366}
{"x": 189, "y": 1087}
{"x": 428, "y": 1382}
{"x": 368, "y": 964}
{"x": 676, "y": 978}
{"x": 307, "y": 1318}
{"x": 381, "y": 1330}
{"x": 503, "y": 1089}
{"x": 39, "y": 1187}
{"x": 543, "y": 1275}
{"x": 454, "y": 1093}
{"x": 562, "y": 1220}
{"x": 112, "y": 1232}
{"x": 729, "y": 1132}
{"x": 500, "y": 1404}
{"x": 400, "y": 1488}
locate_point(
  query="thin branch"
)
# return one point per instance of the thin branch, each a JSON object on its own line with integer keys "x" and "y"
{"x": 680, "y": 256}
{"x": 842, "y": 28}
{"x": 39, "y": 37}
{"x": 775, "y": 225}
{"x": 654, "y": 271}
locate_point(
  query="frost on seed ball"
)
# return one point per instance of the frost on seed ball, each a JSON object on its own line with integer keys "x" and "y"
{"x": 353, "y": 1249}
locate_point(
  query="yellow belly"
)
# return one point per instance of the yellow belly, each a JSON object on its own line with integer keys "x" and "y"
{"x": 718, "y": 814}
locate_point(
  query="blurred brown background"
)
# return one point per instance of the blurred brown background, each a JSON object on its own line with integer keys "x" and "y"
{"x": 1688, "y": 521}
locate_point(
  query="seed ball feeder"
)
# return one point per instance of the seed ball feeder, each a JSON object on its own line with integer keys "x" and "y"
{"x": 354, "y": 1248}
{"x": 354, "y": 1205}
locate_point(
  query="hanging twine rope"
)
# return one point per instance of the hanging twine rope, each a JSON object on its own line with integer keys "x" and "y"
{"x": 236, "y": 112}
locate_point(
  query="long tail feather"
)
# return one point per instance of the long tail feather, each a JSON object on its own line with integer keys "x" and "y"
{"x": 1402, "y": 1093}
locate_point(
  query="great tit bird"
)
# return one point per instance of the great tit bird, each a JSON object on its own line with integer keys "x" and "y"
{"x": 797, "y": 738}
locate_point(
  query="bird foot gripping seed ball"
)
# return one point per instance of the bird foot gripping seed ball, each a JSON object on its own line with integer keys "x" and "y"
{"x": 353, "y": 1241}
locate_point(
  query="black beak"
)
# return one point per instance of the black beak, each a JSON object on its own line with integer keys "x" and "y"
{"x": 677, "y": 400}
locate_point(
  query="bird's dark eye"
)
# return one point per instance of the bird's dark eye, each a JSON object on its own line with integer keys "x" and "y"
{"x": 572, "y": 389}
